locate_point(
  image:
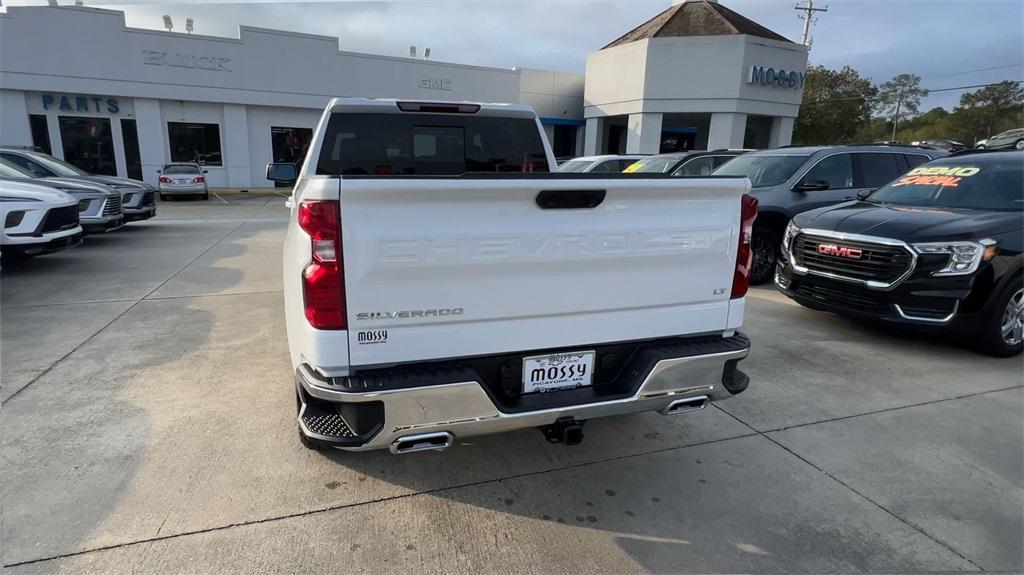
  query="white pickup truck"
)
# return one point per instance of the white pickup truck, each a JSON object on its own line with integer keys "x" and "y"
{"x": 440, "y": 283}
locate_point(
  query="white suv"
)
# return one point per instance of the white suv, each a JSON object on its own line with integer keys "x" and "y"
{"x": 37, "y": 219}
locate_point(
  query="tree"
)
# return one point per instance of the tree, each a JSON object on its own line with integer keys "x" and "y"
{"x": 988, "y": 111}
{"x": 900, "y": 97}
{"x": 904, "y": 91}
{"x": 836, "y": 104}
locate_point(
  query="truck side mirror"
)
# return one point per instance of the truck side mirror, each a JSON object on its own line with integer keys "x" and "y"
{"x": 811, "y": 186}
{"x": 282, "y": 173}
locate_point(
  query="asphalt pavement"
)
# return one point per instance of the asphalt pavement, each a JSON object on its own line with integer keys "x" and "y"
{"x": 148, "y": 425}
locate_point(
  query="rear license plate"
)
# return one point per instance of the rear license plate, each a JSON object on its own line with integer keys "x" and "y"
{"x": 558, "y": 371}
{"x": 181, "y": 181}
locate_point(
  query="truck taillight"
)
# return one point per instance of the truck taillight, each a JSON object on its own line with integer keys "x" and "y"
{"x": 323, "y": 280}
{"x": 744, "y": 255}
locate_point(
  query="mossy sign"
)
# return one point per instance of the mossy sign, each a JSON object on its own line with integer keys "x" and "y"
{"x": 777, "y": 77}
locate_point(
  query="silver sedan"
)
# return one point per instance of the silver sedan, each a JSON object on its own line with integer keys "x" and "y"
{"x": 183, "y": 180}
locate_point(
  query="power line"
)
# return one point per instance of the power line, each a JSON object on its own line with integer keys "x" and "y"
{"x": 965, "y": 72}
{"x": 829, "y": 100}
{"x": 969, "y": 87}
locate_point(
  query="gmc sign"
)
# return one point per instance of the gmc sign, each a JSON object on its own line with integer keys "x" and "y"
{"x": 839, "y": 251}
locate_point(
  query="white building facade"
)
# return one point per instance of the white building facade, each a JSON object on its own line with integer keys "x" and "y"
{"x": 79, "y": 83}
{"x": 697, "y": 76}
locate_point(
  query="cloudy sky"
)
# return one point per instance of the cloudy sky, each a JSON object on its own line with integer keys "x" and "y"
{"x": 946, "y": 42}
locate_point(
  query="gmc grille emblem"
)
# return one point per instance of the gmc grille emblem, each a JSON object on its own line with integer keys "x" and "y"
{"x": 840, "y": 251}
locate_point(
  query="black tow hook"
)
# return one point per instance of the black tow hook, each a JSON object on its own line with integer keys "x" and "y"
{"x": 565, "y": 430}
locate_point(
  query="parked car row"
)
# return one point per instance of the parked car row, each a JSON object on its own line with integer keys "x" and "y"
{"x": 908, "y": 234}
{"x": 786, "y": 181}
{"x": 48, "y": 205}
{"x": 137, "y": 198}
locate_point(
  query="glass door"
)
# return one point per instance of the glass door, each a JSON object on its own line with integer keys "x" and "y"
{"x": 88, "y": 144}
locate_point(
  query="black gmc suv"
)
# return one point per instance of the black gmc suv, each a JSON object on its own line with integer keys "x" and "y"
{"x": 939, "y": 247}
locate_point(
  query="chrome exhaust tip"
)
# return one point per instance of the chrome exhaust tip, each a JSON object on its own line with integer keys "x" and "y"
{"x": 438, "y": 441}
{"x": 688, "y": 404}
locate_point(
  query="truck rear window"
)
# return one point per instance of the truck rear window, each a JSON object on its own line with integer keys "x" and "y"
{"x": 429, "y": 144}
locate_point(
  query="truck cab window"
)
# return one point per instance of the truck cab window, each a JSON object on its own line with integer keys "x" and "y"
{"x": 429, "y": 144}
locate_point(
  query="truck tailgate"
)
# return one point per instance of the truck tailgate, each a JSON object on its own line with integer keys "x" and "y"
{"x": 455, "y": 267}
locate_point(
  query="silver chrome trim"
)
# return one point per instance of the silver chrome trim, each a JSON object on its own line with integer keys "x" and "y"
{"x": 945, "y": 320}
{"x": 854, "y": 238}
{"x": 464, "y": 409}
{"x": 688, "y": 404}
{"x": 422, "y": 437}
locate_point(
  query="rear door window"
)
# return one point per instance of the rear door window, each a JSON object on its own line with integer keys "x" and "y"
{"x": 429, "y": 144}
{"x": 875, "y": 169}
{"x": 914, "y": 160}
{"x": 719, "y": 160}
{"x": 836, "y": 169}
{"x": 701, "y": 166}
{"x": 607, "y": 167}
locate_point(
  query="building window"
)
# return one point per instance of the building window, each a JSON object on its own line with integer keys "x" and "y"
{"x": 40, "y": 132}
{"x": 199, "y": 143}
{"x": 130, "y": 136}
{"x": 88, "y": 144}
{"x": 290, "y": 144}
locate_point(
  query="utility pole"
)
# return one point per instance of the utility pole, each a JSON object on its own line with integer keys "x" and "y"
{"x": 809, "y": 18}
{"x": 896, "y": 118}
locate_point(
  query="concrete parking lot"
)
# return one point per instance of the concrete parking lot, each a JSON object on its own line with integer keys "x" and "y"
{"x": 148, "y": 425}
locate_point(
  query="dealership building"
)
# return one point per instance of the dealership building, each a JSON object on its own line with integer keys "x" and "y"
{"x": 79, "y": 83}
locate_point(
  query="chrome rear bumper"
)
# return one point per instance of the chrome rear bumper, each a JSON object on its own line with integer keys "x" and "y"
{"x": 464, "y": 408}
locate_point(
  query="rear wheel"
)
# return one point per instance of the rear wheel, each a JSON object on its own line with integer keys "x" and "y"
{"x": 1003, "y": 332}
{"x": 765, "y": 246}
{"x": 206, "y": 195}
{"x": 1019, "y": 145}
{"x": 163, "y": 197}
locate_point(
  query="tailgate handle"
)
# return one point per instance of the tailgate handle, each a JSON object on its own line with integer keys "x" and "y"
{"x": 569, "y": 199}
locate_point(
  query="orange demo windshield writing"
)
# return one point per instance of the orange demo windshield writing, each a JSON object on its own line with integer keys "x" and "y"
{"x": 948, "y": 177}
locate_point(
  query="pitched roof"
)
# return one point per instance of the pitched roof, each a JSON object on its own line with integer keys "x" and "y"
{"x": 693, "y": 18}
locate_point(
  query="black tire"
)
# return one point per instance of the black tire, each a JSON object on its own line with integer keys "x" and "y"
{"x": 163, "y": 197}
{"x": 981, "y": 147}
{"x": 765, "y": 245}
{"x": 1018, "y": 145}
{"x": 992, "y": 340}
{"x": 206, "y": 196}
